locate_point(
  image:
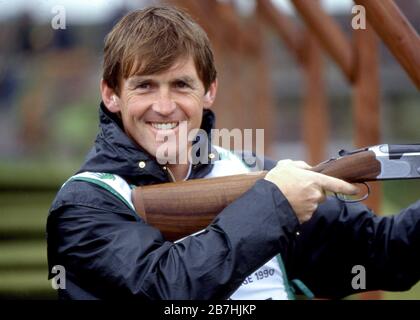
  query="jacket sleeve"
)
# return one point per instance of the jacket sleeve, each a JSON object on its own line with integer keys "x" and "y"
{"x": 111, "y": 252}
{"x": 341, "y": 236}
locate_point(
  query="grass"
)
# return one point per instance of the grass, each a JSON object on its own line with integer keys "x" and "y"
{"x": 23, "y": 258}
{"x": 23, "y": 255}
{"x": 27, "y": 284}
{"x": 39, "y": 174}
{"x": 24, "y": 215}
{"x": 24, "y": 271}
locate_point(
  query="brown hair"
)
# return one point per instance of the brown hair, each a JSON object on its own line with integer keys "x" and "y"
{"x": 149, "y": 41}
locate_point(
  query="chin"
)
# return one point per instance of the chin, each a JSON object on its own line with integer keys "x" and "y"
{"x": 165, "y": 154}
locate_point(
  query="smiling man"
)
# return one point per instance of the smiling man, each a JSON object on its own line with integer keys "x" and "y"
{"x": 159, "y": 79}
{"x": 152, "y": 107}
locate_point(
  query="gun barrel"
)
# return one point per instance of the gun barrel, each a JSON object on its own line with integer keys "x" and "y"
{"x": 403, "y": 148}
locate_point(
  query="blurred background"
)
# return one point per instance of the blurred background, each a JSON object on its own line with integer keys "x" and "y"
{"x": 49, "y": 97}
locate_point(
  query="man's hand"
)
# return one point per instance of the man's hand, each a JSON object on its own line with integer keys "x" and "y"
{"x": 305, "y": 189}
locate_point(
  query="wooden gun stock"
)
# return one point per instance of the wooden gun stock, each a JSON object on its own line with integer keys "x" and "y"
{"x": 179, "y": 209}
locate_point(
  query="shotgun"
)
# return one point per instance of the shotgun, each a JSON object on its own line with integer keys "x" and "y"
{"x": 179, "y": 209}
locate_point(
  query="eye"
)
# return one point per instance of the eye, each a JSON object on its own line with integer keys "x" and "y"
{"x": 144, "y": 86}
{"x": 181, "y": 85}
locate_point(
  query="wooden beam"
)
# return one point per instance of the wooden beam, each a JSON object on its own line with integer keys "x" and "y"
{"x": 329, "y": 34}
{"x": 232, "y": 27}
{"x": 397, "y": 33}
{"x": 200, "y": 12}
{"x": 366, "y": 88}
{"x": 366, "y": 112}
{"x": 263, "y": 106}
{"x": 315, "y": 114}
{"x": 284, "y": 27}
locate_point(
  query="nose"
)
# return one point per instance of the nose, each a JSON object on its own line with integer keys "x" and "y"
{"x": 164, "y": 104}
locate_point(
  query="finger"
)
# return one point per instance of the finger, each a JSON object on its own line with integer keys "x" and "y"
{"x": 336, "y": 185}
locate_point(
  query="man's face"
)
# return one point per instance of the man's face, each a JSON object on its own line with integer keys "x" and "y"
{"x": 152, "y": 106}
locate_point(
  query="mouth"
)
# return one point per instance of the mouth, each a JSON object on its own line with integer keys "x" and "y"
{"x": 161, "y": 126}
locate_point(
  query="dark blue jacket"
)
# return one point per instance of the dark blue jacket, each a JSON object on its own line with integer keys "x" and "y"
{"x": 108, "y": 251}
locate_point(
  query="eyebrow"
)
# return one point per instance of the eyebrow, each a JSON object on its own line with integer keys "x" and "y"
{"x": 132, "y": 82}
{"x": 186, "y": 79}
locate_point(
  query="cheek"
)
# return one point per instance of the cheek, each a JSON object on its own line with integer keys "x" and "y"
{"x": 135, "y": 107}
{"x": 192, "y": 106}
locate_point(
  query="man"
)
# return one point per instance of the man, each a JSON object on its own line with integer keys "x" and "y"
{"x": 159, "y": 74}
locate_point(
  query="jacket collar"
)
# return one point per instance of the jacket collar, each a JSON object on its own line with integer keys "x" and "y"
{"x": 114, "y": 152}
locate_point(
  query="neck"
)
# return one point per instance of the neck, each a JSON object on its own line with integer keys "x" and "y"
{"x": 178, "y": 171}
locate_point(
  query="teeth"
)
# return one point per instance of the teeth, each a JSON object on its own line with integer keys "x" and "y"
{"x": 164, "y": 126}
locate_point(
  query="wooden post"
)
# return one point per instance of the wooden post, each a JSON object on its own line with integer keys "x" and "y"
{"x": 237, "y": 33}
{"x": 328, "y": 33}
{"x": 315, "y": 114}
{"x": 366, "y": 96}
{"x": 367, "y": 108}
{"x": 263, "y": 100}
{"x": 307, "y": 52}
{"x": 286, "y": 30}
{"x": 397, "y": 33}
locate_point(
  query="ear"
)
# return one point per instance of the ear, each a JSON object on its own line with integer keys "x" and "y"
{"x": 210, "y": 95}
{"x": 109, "y": 97}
